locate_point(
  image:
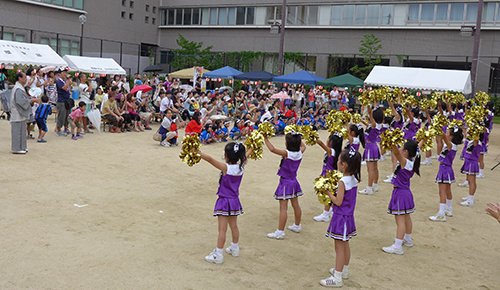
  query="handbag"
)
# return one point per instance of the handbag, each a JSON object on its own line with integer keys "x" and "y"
{"x": 157, "y": 136}
{"x": 69, "y": 104}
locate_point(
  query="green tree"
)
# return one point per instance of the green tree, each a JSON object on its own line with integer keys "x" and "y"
{"x": 191, "y": 54}
{"x": 370, "y": 45}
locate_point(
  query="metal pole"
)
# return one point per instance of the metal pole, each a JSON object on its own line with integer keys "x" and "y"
{"x": 121, "y": 52}
{"x": 475, "y": 53}
{"x": 282, "y": 38}
{"x": 31, "y": 36}
{"x": 81, "y": 41}
{"x": 57, "y": 43}
{"x": 101, "y": 47}
{"x": 138, "y": 58}
{"x": 1, "y": 33}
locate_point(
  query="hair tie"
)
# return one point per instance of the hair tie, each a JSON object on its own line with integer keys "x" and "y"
{"x": 418, "y": 152}
{"x": 296, "y": 133}
{"x": 456, "y": 129}
{"x": 236, "y": 147}
{"x": 352, "y": 152}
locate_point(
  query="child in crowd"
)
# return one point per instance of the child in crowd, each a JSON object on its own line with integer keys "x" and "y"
{"x": 279, "y": 127}
{"x": 342, "y": 226}
{"x": 207, "y": 135}
{"x": 332, "y": 151}
{"x": 41, "y": 118}
{"x": 402, "y": 204}
{"x": 356, "y": 137}
{"x": 288, "y": 187}
{"x": 471, "y": 168}
{"x": 235, "y": 132}
{"x": 225, "y": 130}
{"x": 372, "y": 152}
{"x": 76, "y": 120}
{"x": 228, "y": 205}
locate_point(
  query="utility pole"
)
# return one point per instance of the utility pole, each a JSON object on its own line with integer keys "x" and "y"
{"x": 282, "y": 38}
{"x": 477, "y": 40}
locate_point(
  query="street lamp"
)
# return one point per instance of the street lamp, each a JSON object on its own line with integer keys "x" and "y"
{"x": 82, "y": 18}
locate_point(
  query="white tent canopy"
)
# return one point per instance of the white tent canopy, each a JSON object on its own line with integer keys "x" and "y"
{"x": 94, "y": 65}
{"x": 20, "y": 53}
{"x": 420, "y": 78}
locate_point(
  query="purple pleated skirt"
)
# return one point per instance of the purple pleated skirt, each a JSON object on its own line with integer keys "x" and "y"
{"x": 342, "y": 227}
{"x": 470, "y": 167}
{"x": 372, "y": 152}
{"x": 228, "y": 207}
{"x": 288, "y": 189}
{"x": 445, "y": 174}
{"x": 401, "y": 202}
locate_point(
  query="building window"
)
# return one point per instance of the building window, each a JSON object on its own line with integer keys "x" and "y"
{"x": 153, "y": 20}
{"x": 124, "y": 3}
{"x": 123, "y": 14}
{"x": 348, "y": 15}
{"x": 442, "y": 12}
{"x": 19, "y": 37}
{"x": 131, "y": 16}
{"x": 147, "y": 8}
{"x": 196, "y": 16}
{"x": 471, "y": 14}
{"x": 427, "y": 12}
{"x": 213, "y": 16}
{"x": 78, "y": 4}
{"x": 457, "y": 11}
{"x": 171, "y": 16}
{"x": 154, "y": 9}
{"x": 360, "y": 15}
{"x": 386, "y": 18}
{"x": 336, "y": 15}
{"x": 240, "y": 16}
{"x": 8, "y": 36}
{"x": 313, "y": 15}
{"x": 146, "y": 19}
{"x": 187, "y": 16}
{"x": 131, "y": 4}
{"x": 231, "y": 16}
{"x": 68, "y": 3}
{"x": 178, "y": 16}
{"x": 250, "y": 15}
{"x": 413, "y": 12}
{"x": 222, "y": 16}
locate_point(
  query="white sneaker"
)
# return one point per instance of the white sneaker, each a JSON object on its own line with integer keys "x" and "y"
{"x": 464, "y": 184}
{"x": 388, "y": 153}
{"x": 388, "y": 180}
{"x": 448, "y": 211}
{"x": 438, "y": 217}
{"x": 408, "y": 243}
{"x": 331, "y": 282}
{"x": 435, "y": 157}
{"x": 375, "y": 188}
{"x": 426, "y": 162}
{"x": 165, "y": 143}
{"x": 362, "y": 163}
{"x": 345, "y": 274}
{"x": 468, "y": 203}
{"x": 480, "y": 176}
{"x": 382, "y": 158}
{"x": 393, "y": 250}
{"x": 214, "y": 258}
{"x": 295, "y": 228}
{"x": 233, "y": 252}
{"x": 322, "y": 217}
{"x": 367, "y": 191}
{"x": 465, "y": 198}
{"x": 275, "y": 235}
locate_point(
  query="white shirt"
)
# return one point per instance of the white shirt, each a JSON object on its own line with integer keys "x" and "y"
{"x": 203, "y": 112}
{"x": 165, "y": 104}
{"x": 84, "y": 95}
{"x": 166, "y": 123}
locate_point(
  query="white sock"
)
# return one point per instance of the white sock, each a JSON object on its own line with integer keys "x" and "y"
{"x": 481, "y": 171}
{"x": 471, "y": 198}
{"x": 345, "y": 270}
{"x": 427, "y": 159}
{"x": 330, "y": 210}
{"x": 374, "y": 184}
{"x": 448, "y": 203}
{"x": 337, "y": 275}
{"x": 441, "y": 208}
{"x": 398, "y": 243}
{"x": 218, "y": 251}
{"x": 326, "y": 212}
{"x": 369, "y": 187}
{"x": 280, "y": 232}
{"x": 234, "y": 246}
{"x": 407, "y": 237}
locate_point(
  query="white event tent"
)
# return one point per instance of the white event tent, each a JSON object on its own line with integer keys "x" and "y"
{"x": 420, "y": 79}
{"x": 94, "y": 65}
{"x": 20, "y": 53}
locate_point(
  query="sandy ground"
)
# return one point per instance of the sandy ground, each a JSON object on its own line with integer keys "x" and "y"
{"x": 149, "y": 224}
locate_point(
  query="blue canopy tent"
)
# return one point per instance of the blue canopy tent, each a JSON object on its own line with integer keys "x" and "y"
{"x": 301, "y": 77}
{"x": 226, "y": 72}
{"x": 256, "y": 76}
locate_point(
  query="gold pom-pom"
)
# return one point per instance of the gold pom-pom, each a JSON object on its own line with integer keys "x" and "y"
{"x": 438, "y": 122}
{"x": 455, "y": 123}
{"x": 309, "y": 135}
{"x": 474, "y": 132}
{"x": 482, "y": 98}
{"x": 190, "y": 146}
{"x": 266, "y": 129}
{"x": 423, "y": 134}
{"x": 391, "y": 137}
{"x": 408, "y": 101}
{"x": 328, "y": 183}
{"x": 292, "y": 127}
{"x": 255, "y": 141}
{"x": 339, "y": 129}
{"x": 356, "y": 118}
{"x": 475, "y": 115}
{"x": 336, "y": 120}
{"x": 388, "y": 112}
{"x": 367, "y": 98}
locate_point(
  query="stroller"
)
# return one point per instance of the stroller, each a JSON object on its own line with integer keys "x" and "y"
{"x": 5, "y": 99}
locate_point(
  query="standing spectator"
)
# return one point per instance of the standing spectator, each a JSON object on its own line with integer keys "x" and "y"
{"x": 85, "y": 88}
{"x": 334, "y": 97}
{"x": 20, "y": 112}
{"x": 311, "y": 97}
{"x": 137, "y": 80}
{"x": 64, "y": 102}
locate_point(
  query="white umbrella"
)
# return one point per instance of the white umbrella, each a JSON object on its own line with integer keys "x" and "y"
{"x": 188, "y": 88}
{"x": 48, "y": 69}
{"x": 95, "y": 117}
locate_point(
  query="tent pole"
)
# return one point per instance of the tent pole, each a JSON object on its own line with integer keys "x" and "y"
{"x": 475, "y": 53}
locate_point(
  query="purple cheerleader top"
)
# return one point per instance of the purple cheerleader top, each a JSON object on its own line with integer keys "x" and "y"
{"x": 229, "y": 184}
{"x": 355, "y": 144}
{"x": 328, "y": 162}
{"x": 402, "y": 176}
{"x": 472, "y": 153}
{"x": 412, "y": 129}
{"x": 290, "y": 165}
{"x": 447, "y": 156}
{"x": 349, "y": 202}
{"x": 374, "y": 134}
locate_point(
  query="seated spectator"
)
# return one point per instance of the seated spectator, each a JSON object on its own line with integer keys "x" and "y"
{"x": 110, "y": 111}
{"x": 194, "y": 126}
{"x": 143, "y": 103}
{"x": 167, "y": 131}
{"x": 207, "y": 135}
{"x": 132, "y": 111}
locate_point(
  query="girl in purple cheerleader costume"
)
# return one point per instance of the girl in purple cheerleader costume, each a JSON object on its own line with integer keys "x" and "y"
{"x": 342, "y": 227}
{"x": 372, "y": 152}
{"x": 471, "y": 167}
{"x": 445, "y": 176}
{"x": 228, "y": 206}
{"x": 356, "y": 137}
{"x": 289, "y": 187}
{"x": 402, "y": 204}
{"x": 332, "y": 152}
